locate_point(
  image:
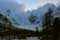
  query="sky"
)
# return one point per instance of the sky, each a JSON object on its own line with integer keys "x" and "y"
{"x": 32, "y": 4}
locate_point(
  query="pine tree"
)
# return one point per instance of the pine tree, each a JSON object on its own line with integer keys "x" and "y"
{"x": 56, "y": 26}
{"x": 48, "y": 18}
{"x": 47, "y": 24}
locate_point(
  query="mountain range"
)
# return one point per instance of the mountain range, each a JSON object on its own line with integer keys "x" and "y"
{"x": 20, "y": 18}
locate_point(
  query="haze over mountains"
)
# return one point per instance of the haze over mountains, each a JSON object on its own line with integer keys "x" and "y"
{"x": 19, "y": 17}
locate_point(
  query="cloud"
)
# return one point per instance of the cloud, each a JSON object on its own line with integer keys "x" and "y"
{"x": 41, "y": 3}
{"x": 12, "y": 5}
{"x": 23, "y": 7}
{"x": 33, "y": 4}
{"x": 29, "y": 5}
{"x": 49, "y": 1}
{"x": 7, "y": 0}
{"x": 55, "y": 0}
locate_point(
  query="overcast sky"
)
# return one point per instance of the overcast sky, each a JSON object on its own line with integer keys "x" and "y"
{"x": 33, "y": 4}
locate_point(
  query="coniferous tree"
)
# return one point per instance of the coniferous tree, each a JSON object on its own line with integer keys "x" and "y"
{"x": 48, "y": 19}
{"x": 56, "y": 26}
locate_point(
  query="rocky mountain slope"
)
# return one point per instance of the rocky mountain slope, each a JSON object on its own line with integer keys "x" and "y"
{"x": 20, "y": 18}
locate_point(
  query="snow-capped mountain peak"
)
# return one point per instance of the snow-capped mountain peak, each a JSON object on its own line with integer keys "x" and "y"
{"x": 21, "y": 19}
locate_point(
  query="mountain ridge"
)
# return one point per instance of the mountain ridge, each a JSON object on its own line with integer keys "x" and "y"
{"x": 19, "y": 19}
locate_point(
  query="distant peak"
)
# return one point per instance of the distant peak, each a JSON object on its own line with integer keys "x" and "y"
{"x": 50, "y": 5}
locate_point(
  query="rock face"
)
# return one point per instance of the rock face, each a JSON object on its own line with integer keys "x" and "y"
{"x": 4, "y": 23}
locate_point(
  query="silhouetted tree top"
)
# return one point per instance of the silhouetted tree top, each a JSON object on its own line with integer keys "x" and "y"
{"x": 49, "y": 12}
{"x": 48, "y": 18}
{"x": 36, "y": 28}
{"x": 56, "y": 23}
{"x": 57, "y": 20}
{"x": 1, "y": 15}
